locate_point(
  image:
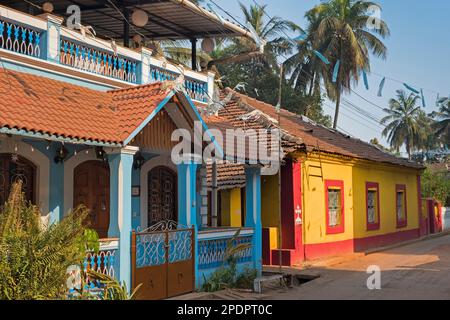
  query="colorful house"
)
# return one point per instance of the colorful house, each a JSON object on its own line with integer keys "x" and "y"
{"x": 339, "y": 195}
{"x": 87, "y": 121}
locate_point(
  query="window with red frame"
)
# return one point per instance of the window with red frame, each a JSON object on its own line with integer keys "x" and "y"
{"x": 373, "y": 206}
{"x": 401, "y": 210}
{"x": 334, "y": 191}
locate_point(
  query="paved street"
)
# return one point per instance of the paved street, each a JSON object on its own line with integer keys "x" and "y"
{"x": 416, "y": 271}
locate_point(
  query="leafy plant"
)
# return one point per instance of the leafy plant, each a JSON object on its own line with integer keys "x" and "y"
{"x": 112, "y": 289}
{"x": 227, "y": 276}
{"x": 436, "y": 185}
{"x": 90, "y": 241}
{"x": 34, "y": 259}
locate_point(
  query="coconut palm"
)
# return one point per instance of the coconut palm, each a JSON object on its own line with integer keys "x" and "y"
{"x": 403, "y": 122}
{"x": 442, "y": 124}
{"x": 341, "y": 32}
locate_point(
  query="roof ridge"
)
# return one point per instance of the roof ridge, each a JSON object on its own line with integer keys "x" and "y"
{"x": 141, "y": 86}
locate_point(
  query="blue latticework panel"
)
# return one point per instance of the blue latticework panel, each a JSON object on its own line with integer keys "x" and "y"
{"x": 150, "y": 249}
{"x": 180, "y": 246}
{"x": 211, "y": 252}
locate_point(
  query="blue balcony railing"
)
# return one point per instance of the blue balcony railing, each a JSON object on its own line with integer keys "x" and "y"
{"x": 96, "y": 61}
{"x": 20, "y": 39}
{"x": 46, "y": 37}
{"x": 196, "y": 89}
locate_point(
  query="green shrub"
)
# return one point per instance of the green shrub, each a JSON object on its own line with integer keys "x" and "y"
{"x": 226, "y": 276}
{"x": 436, "y": 185}
{"x": 246, "y": 278}
{"x": 34, "y": 258}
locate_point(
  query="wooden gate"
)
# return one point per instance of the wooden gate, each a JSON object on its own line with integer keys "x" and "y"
{"x": 163, "y": 261}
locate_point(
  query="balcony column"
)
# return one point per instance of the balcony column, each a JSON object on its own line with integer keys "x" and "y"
{"x": 52, "y": 38}
{"x": 194, "y": 53}
{"x": 121, "y": 167}
{"x": 144, "y": 71}
{"x": 253, "y": 212}
{"x": 211, "y": 84}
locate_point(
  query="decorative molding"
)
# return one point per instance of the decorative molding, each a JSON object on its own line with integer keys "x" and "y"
{"x": 42, "y": 163}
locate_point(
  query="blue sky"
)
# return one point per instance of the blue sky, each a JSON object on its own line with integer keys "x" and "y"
{"x": 419, "y": 51}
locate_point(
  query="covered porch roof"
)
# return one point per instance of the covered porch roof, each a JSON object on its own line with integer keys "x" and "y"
{"x": 168, "y": 19}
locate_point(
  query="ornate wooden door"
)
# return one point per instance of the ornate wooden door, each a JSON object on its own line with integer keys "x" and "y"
{"x": 162, "y": 195}
{"x": 12, "y": 169}
{"x": 91, "y": 188}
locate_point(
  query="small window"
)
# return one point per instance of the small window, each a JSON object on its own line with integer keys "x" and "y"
{"x": 335, "y": 206}
{"x": 373, "y": 206}
{"x": 401, "y": 212}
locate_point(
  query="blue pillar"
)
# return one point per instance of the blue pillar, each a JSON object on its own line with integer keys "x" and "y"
{"x": 56, "y": 190}
{"x": 187, "y": 201}
{"x": 253, "y": 212}
{"x": 121, "y": 167}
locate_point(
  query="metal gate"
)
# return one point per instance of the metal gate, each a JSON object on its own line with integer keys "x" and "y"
{"x": 163, "y": 261}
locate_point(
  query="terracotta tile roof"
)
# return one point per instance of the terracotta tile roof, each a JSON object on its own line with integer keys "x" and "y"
{"x": 315, "y": 136}
{"x": 40, "y": 104}
{"x": 229, "y": 176}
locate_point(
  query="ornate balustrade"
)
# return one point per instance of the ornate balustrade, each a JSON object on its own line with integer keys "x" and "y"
{"x": 103, "y": 262}
{"x": 46, "y": 37}
{"x": 196, "y": 89}
{"x": 212, "y": 248}
{"x": 97, "y": 61}
{"x": 20, "y": 38}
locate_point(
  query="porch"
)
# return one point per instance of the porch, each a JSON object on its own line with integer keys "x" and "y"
{"x": 129, "y": 190}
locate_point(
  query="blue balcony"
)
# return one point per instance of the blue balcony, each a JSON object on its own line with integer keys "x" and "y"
{"x": 42, "y": 41}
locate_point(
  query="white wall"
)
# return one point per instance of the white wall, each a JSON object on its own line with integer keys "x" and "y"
{"x": 446, "y": 218}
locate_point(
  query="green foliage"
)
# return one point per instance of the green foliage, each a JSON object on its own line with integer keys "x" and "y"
{"x": 227, "y": 275}
{"x": 404, "y": 122}
{"x": 90, "y": 241}
{"x": 436, "y": 185}
{"x": 246, "y": 278}
{"x": 34, "y": 259}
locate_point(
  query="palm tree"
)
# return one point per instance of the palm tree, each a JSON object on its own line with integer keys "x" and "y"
{"x": 340, "y": 32}
{"x": 442, "y": 124}
{"x": 403, "y": 122}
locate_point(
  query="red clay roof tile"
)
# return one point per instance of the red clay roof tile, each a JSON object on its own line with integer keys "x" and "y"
{"x": 35, "y": 103}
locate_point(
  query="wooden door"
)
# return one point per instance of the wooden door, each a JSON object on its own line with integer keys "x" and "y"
{"x": 162, "y": 195}
{"x": 12, "y": 169}
{"x": 91, "y": 188}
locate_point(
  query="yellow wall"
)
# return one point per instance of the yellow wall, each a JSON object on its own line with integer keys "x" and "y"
{"x": 231, "y": 208}
{"x": 314, "y": 211}
{"x": 269, "y": 201}
{"x": 355, "y": 174}
{"x": 387, "y": 177}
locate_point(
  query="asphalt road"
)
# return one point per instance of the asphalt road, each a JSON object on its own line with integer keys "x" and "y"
{"x": 417, "y": 271}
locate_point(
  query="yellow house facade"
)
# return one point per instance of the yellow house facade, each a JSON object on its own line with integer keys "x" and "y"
{"x": 339, "y": 195}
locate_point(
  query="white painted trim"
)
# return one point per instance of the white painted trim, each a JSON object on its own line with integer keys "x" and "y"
{"x": 216, "y": 234}
{"x": 106, "y": 245}
{"x": 69, "y": 167}
{"x": 42, "y": 163}
{"x": 161, "y": 160}
{"x": 22, "y": 18}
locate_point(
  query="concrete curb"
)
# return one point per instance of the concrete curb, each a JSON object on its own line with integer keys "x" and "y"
{"x": 402, "y": 244}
